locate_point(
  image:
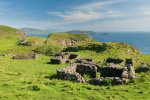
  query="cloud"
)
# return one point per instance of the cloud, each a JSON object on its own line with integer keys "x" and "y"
{"x": 145, "y": 10}
{"x": 78, "y": 16}
{"x": 98, "y": 5}
{"x": 89, "y": 12}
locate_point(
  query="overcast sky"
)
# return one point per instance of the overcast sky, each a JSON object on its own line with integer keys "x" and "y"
{"x": 96, "y": 15}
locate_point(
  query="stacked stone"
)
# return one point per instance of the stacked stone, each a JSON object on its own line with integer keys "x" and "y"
{"x": 69, "y": 73}
{"x": 129, "y": 71}
{"x": 112, "y": 70}
{"x": 60, "y": 58}
{"x": 104, "y": 81}
{"x": 87, "y": 68}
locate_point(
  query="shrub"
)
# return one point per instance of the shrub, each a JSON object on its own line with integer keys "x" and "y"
{"x": 48, "y": 49}
{"x": 107, "y": 81}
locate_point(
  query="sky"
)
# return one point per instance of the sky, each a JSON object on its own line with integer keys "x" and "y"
{"x": 64, "y": 15}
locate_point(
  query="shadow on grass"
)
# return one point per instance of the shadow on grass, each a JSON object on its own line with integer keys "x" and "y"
{"x": 50, "y": 77}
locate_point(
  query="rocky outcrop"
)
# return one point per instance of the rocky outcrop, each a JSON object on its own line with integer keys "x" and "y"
{"x": 142, "y": 68}
{"x": 26, "y": 56}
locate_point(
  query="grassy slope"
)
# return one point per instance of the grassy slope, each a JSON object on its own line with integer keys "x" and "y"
{"x": 25, "y": 79}
{"x": 9, "y": 38}
{"x": 9, "y": 33}
{"x": 56, "y": 38}
{"x": 21, "y": 78}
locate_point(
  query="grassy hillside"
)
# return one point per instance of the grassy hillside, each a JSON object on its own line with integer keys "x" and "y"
{"x": 32, "y": 41}
{"x": 35, "y": 79}
{"x": 31, "y": 79}
{"x": 10, "y": 33}
{"x": 66, "y": 39}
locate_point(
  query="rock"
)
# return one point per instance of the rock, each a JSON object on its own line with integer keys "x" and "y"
{"x": 88, "y": 59}
{"x": 96, "y": 81}
{"x": 89, "y": 69}
{"x": 111, "y": 70}
{"x": 115, "y": 61}
{"x": 125, "y": 73}
{"x": 73, "y": 56}
{"x": 25, "y": 56}
{"x": 143, "y": 68}
{"x": 106, "y": 81}
{"x": 60, "y": 58}
{"x": 70, "y": 74}
{"x": 129, "y": 62}
{"x": 56, "y": 61}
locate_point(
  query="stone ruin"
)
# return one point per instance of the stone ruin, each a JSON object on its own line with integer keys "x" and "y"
{"x": 60, "y": 58}
{"x": 114, "y": 72}
{"x": 31, "y": 55}
{"x": 76, "y": 70}
{"x": 69, "y": 73}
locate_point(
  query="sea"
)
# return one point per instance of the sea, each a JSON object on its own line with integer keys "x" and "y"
{"x": 140, "y": 40}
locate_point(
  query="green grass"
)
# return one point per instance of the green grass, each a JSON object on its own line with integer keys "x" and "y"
{"x": 9, "y": 46}
{"x": 36, "y": 79}
{"x": 30, "y": 79}
{"x": 9, "y": 33}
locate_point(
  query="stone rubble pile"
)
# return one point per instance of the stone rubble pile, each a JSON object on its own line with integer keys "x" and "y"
{"x": 114, "y": 73}
{"x": 69, "y": 73}
{"x": 26, "y": 56}
{"x": 60, "y": 58}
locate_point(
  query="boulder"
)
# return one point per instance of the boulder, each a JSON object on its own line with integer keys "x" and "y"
{"x": 56, "y": 61}
{"x": 25, "y": 56}
{"x": 73, "y": 56}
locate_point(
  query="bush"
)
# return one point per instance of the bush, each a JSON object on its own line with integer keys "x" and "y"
{"x": 71, "y": 49}
{"x": 107, "y": 81}
{"x": 48, "y": 49}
